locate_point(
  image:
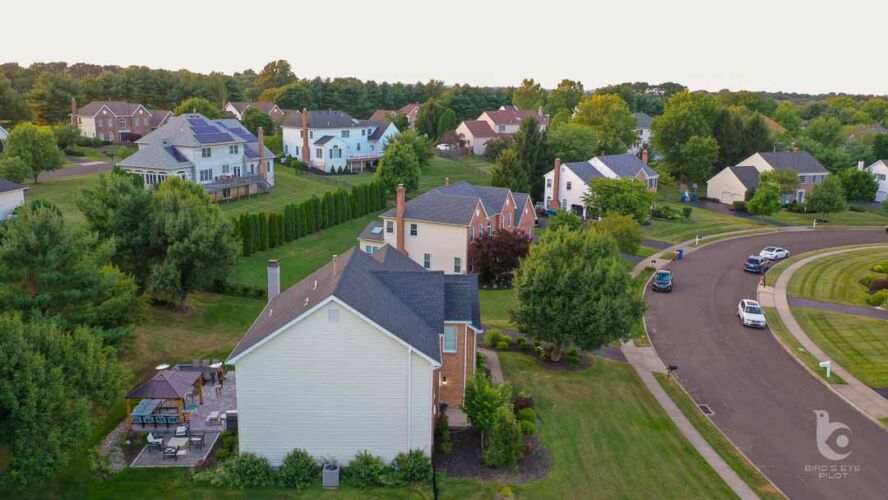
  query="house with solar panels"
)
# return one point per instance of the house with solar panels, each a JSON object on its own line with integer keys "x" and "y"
{"x": 220, "y": 155}
{"x": 334, "y": 141}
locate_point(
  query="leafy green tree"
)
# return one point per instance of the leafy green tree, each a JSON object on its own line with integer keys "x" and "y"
{"x": 275, "y": 74}
{"x": 753, "y": 102}
{"x": 401, "y": 122}
{"x": 728, "y": 132}
{"x": 254, "y": 118}
{"x": 504, "y": 445}
{"x": 48, "y": 268}
{"x": 859, "y": 185}
{"x": 427, "y": 118}
{"x": 482, "y": 398}
{"x": 574, "y": 288}
{"x": 447, "y": 121}
{"x": 36, "y": 146}
{"x": 66, "y": 135}
{"x": 880, "y": 146}
{"x": 296, "y": 95}
{"x": 622, "y": 196}
{"x": 398, "y": 165}
{"x": 50, "y": 97}
{"x": 828, "y": 197}
{"x": 14, "y": 169}
{"x": 765, "y": 201}
{"x": 263, "y": 231}
{"x": 610, "y": 118}
{"x": 788, "y": 116}
{"x": 13, "y": 106}
{"x": 825, "y": 130}
{"x": 52, "y": 382}
{"x": 192, "y": 242}
{"x": 686, "y": 115}
{"x": 198, "y": 105}
{"x": 496, "y": 146}
{"x": 786, "y": 181}
{"x": 531, "y": 149}
{"x": 565, "y": 220}
{"x": 625, "y": 231}
{"x": 508, "y": 172}
{"x": 572, "y": 142}
{"x": 698, "y": 155}
{"x": 566, "y": 96}
{"x": 530, "y": 95}
{"x": 421, "y": 146}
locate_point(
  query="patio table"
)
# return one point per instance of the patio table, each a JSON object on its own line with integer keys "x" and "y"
{"x": 181, "y": 442}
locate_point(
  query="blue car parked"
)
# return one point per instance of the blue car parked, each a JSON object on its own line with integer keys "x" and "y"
{"x": 662, "y": 281}
{"x": 756, "y": 264}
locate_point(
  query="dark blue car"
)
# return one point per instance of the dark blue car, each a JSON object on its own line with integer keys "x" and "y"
{"x": 756, "y": 264}
{"x": 662, "y": 281}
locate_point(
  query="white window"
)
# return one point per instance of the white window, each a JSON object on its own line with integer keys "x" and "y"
{"x": 548, "y": 183}
{"x": 286, "y": 150}
{"x": 358, "y": 145}
{"x": 569, "y": 184}
{"x": 225, "y": 169}
{"x": 489, "y": 228}
{"x": 471, "y": 234}
{"x": 802, "y": 179}
{"x": 145, "y": 121}
{"x": 232, "y": 149}
{"x": 345, "y": 134}
{"x": 564, "y": 204}
{"x": 480, "y": 229}
{"x": 450, "y": 337}
{"x": 335, "y": 152}
{"x": 427, "y": 261}
{"x": 252, "y": 168}
{"x": 880, "y": 177}
{"x": 301, "y": 134}
{"x": 122, "y": 123}
{"x": 206, "y": 152}
{"x": 206, "y": 175}
{"x": 389, "y": 226}
{"x": 371, "y": 249}
{"x": 363, "y": 132}
{"x": 457, "y": 265}
{"x": 319, "y": 153}
{"x": 501, "y": 128}
{"x": 311, "y": 134}
{"x": 295, "y": 150}
{"x": 333, "y": 315}
{"x": 413, "y": 230}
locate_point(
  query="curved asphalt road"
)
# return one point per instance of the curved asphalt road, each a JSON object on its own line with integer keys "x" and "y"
{"x": 762, "y": 399}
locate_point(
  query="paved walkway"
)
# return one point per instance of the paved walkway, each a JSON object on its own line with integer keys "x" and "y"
{"x": 84, "y": 168}
{"x": 659, "y": 245}
{"x": 871, "y": 312}
{"x": 493, "y": 364}
{"x": 729, "y": 210}
{"x": 858, "y": 394}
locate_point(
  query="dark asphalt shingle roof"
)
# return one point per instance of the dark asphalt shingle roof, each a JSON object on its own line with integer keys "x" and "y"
{"x": 627, "y": 165}
{"x": 6, "y": 186}
{"x": 387, "y": 287}
{"x": 800, "y": 162}
{"x": 642, "y": 120}
{"x": 748, "y": 175}
{"x": 381, "y": 127}
{"x": 166, "y": 384}
{"x": 521, "y": 200}
{"x": 435, "y": 206}
{"x": 493, "y": 198}
{"x": 321, "y": 119}
{"x": 584, "y": 170}
{"x": 373, "y": 232}
{"x": 323, "y": 140}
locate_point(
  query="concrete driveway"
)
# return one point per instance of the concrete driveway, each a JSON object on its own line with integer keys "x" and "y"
{"x": 762, "y": 399}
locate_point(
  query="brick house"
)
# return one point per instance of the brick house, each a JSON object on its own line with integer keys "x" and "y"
{"x": 502, "y": 122}
{"x": 408, "y": 110}
{"x": 360, "y": 355}
{"x": 737, "y": 184}
{"x": 438, "y": 228}
{"x": 117, "y": 121}
{"x": 237, "y": 109}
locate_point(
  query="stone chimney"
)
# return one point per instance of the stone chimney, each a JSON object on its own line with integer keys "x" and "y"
{"x": 274, "y": 279}
{"x": 399, "y": 217}
{"x": 556, "y": 184}
{"x": 446, "y": 181}
{"x": 644, "y": 156}
{"x": 73, "y": 111}
{"x": 306, "y": 153}
{"x": 263, "y": 169}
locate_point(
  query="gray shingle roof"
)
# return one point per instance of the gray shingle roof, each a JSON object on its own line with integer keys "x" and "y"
{"x": 642, "y": 120}
{"x": 322, "y": 119}
{"x": 435, "y": 206}
{"x": 493, "y": 198}
{"x": 381, "y": 127}
{"x": 800, "y": 162}
{"x": 166, "y": 384}
{"x": 323, "y": 140}
{"x": 521, "y": 200}
{"x": 627, "y": 165}
{"x": 748, "y": 175}
{"x": 6, "y": 186}
{"x": 119, "y": 108}
{"x": 156, "y": 156}
{"x": 584, "y": 170}
{"x": 373, "y": 232}
{"x": 387, "y": 287}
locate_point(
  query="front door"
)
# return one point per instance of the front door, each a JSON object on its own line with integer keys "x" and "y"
{"x": 800, "y": 196}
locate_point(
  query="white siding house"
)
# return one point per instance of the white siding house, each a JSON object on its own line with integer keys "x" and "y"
{"x": 12, "y": 196}
{"x": 333, "y": 383}
{"x": 879, "y": 170}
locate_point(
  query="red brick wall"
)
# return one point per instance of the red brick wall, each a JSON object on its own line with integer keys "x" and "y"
{"x": 458, "y": 367}
{"x": 135, "y": 124}
{"x": 477, "y": 218}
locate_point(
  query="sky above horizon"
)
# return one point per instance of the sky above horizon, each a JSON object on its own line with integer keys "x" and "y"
{"x": 776, "y": 45}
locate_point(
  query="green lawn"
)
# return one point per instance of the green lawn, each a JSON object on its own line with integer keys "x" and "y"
{"x": 63, "y": 192}
{"x": 846, "y": 218}
{"x": 608, "y": 436}
{"x": 719, "y": 442}
{"x": 837, "y": 278}
{"x": 475, "y": 170}
{"x": 108, "y": 153}
{"x": 703, "y": 222}
{"x": 303, "y": 256}
{"x": 495, "y": 305}
{"x": 779, "y": 329}
{"x": 858, "y": 343}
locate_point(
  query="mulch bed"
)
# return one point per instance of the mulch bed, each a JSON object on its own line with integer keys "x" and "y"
{"x": 465, "y": 460}
{"x": 564, "y": 365}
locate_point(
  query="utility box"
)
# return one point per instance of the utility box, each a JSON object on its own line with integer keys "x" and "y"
{"x": 231, "y": 420}
{"x": 331, "y": 476}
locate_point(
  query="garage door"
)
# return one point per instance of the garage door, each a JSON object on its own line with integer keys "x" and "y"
{"x": 881, "y": 196}
{"x": 729, "y": 198}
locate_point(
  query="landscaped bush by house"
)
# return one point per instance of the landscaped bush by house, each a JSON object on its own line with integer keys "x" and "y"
{"x": 504, "y": 443}
{"x": 299, "y": 470}
{"x": 413, "y": 467}
{"x": 492, "y": 337}
{"x": 241, "y": 471}
{"x": 527, "y": 427}
{"x": 740, "y": 206}
{"x": 522, "y": 343}
{"x": 502, "y": 345}
{"x": 527, "y": 415}
{"x": 99, "y": 465}
{"x": 522, "y": 401}
{"x": 877, "y": 299}
{"x": 881, "y": 268}
{"x": 573, "y": 356}
{"x": 228, "y": 448}
{"x": 665, "y": 212}
{"x": 482, "y": 399}
{"x": 366, "y": 470}
{"x": 686, "y": 212}
{"x": 878, "y": 284}
{"x": 443, "y": 443}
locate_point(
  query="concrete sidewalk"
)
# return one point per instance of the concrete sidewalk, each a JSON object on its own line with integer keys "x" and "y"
{"x": 855, "y": 392}
{"x": 870, "y": 312}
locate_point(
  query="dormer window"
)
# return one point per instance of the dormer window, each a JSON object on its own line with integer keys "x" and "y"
{"x": 345, "y": 134}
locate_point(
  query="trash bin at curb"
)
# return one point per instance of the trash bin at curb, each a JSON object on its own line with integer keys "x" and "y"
{"x": 680, "y": 254}
{"x": 331, "y": 476}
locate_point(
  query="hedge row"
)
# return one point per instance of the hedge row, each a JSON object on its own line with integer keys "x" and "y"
{"x": 263, "y": 230}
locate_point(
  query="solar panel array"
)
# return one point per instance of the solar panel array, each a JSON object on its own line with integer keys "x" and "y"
{"x": 214, "y": 137}
{"x": 199, "y": 122}
{"x": 243, "y": 134}
{"x": 209, "y": 129}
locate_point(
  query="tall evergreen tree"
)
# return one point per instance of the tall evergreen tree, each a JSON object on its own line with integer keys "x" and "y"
{"x": 530, "y": 150}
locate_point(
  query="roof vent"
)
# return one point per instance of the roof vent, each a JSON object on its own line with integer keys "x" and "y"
{"x": 306, "y": 302}
{"x": 269, "y": 312}
{"x": 315, "y": 287}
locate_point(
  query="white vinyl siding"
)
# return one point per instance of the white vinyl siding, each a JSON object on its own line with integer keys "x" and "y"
{"x": 333, "y": 389}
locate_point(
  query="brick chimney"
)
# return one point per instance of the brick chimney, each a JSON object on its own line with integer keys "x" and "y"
{"x": 73, "y": 111}
{"x": 399, "y": 217}
{"x": 447, "y": 181}
{"x": 306, "y": 156}
{"x": 263, "y": 169}
{"x": 274, "y": 279}
{"x": 795, "y": 149}
{"x": 556, "y": 184}
{"x": 644, "y": 156}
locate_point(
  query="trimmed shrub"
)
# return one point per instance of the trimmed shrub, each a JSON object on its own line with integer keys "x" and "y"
{"x": 877, "y": 299}
{"x": 521, "y": 402}
{"x": 878, "y": 284}
{"x": 526, "y": 414}
{"x": 241, "y": 471}
{"x": 855, "y": 208}
{"x": 502, "y": 345}
{"x": 881, "y": 268}
{"x": 492, "y": 337}
{"x": 527, "y": 427}
{"x": 686, "y": 212}
{"x": 443, "y": 443}
{"x": 665, "y": 212}
{"x": 504, "y": 444}
{"x": 740, "y": 206}
{"x": 522, "y": 343}
{"x": 366, "y": 470}
{"x": 299, "y": 470}
{"x": 413, "y": 467}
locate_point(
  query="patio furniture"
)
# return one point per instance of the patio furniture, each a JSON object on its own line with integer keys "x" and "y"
{"x": 213, "y": 418}
{"x": 196, "y": 440}
{"x": 154, "y": 442}
{"x": 166, "y": 390}
{"x": 149, "y": 420}
{"x": 180, "y": 443}
{"x": 183, "y": 431}
{"x": 170, "y": 452}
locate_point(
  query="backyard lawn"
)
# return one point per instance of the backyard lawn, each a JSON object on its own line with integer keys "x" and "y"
{"x": 858, "y": 343}
{"x": 495, "y": 305}
{"x": 475, "y": 170}
{"x": 703, "y": 222}
{"x": 63, "y": 192}
{"x": 837, "y": 278}
{"x": 846, "y": 218}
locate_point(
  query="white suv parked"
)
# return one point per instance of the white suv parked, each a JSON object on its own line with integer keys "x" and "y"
{"x": 750, "y": 313}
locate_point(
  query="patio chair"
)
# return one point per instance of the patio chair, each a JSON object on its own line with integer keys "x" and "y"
{"x": 183, "y": 431}
{"x": 170, "y": 452}
{"x": 196, "y": 440}
{"x": 154, "y": 442}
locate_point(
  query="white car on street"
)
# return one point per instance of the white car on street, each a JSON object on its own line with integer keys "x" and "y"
{"x": 774, "y": 253}
{"x": 445, "y": 147}
{"x": 751, "y": 314}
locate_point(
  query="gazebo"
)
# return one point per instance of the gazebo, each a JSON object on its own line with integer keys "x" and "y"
{"x": 166, "y": 385}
